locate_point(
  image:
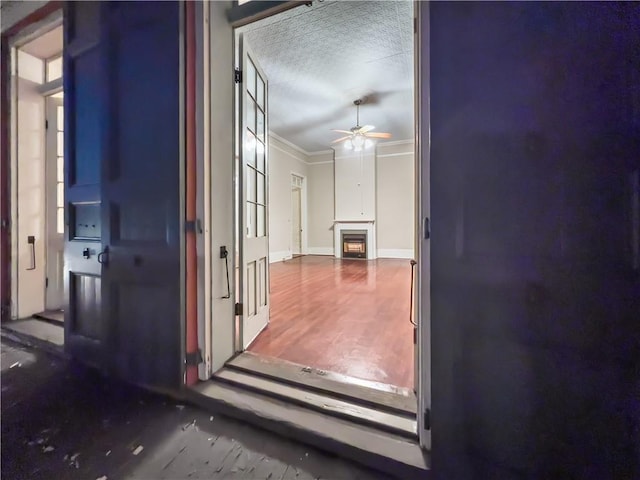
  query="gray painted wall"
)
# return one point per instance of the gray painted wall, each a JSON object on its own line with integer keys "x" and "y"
{"x": 535, "y": 116}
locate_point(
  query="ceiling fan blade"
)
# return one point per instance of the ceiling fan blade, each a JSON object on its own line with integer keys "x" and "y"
{"x": 378, "y": 135}
{"x": 342, "y": 131}
{"x": 366, "y": 128}
{"x": 341, "y": 139}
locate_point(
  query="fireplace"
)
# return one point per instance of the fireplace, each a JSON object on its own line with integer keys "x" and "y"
{"x": 354, "y": 245}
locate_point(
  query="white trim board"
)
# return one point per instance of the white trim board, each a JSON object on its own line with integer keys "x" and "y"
{"x": 320, "y": 251}
{"x": 280, "y": 256}
{"x": 396, "y": 253}
{"x": 325, "y": 162}
{"x": 288, "y": 143}
{"x": 395, "y": 142}
{"x": 401, "y": 154}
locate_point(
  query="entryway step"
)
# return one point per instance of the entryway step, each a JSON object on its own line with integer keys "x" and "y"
{"x": 372, "y": 394}
{"x": 353, "y": 411}
{"x": 393, "y": 454}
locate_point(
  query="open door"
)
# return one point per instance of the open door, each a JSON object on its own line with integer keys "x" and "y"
{"x": 84, "y": 88}
{"x": 123, "y": 161}
{"x": 54, "y": 172}
{"x": 254, "y": 254}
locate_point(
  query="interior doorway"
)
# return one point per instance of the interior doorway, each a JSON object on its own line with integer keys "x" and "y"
{"x": 37, "y": 181}
{"x": 296, "y": 214}
{"x": 348, "y": 125}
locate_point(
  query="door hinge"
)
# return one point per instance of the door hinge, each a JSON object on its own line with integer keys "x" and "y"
{"x": 46, "y": 282}
{"x": 238, "y": 309}
{"x": 426, "y": 228}
{"x": 237, "y": 75}
{"x": 46, "y": 124}
{"x": 193, "y": 358}
{"x": 426, "y": 420}
{"x": 193, "y": 226}
{"x": 415, "y": 335}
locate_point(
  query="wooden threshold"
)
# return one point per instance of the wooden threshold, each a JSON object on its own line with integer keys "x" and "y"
{"x": 373, "y": 394}
{"x": 353, "y": 411}
{"x": 393, "y": 454}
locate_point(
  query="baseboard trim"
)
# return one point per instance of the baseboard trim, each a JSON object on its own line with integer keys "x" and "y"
{"x": 395, "y": 253}
{"x": 320, "y": 251}
{"x": 279, "y": 256}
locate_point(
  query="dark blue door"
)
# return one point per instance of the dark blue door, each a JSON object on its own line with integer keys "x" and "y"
{"x": 134, "y": 154}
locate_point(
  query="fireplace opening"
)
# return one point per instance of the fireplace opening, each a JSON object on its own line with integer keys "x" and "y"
{"x": 354, "y": 245}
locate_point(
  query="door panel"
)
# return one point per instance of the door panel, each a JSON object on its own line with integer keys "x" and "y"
{"x": 141, "y": 193}
{"x": 55, "y": 204}
{"x": 254, "y": 225}
{"x": 84, "y": 85}
{"x": 123, "y": 171}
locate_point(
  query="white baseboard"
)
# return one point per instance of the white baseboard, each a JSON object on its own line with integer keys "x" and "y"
{"x": 279, "y": 256}
{"x": 320, "y": 251}
{"x": 395, "y": 253}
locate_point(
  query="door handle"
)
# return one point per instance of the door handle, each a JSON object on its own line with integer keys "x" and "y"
{"x": 103, "y": 257}
{"x": 86, "y": 253}
{"x": 413, "y": 264}
{"x": 224, "y": 253}
{"x": 31, "y": 240}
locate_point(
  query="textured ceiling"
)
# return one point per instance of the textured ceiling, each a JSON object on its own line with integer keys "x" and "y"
{"x": 319, "y": 59}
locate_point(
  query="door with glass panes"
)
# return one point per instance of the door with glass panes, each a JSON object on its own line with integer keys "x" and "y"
{"x": 254, "y": 258}
{"x": 54, "y": 297}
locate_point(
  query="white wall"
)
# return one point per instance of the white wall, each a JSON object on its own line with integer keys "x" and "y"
{"x": 321, "y": 205}
{"x": 355, "y": 186}
{"x": 28, "y": 196}
{"x": 283, "y": 161}
{"x": 395, "y": 199}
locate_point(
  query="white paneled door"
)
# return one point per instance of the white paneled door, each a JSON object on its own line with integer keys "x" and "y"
{"x": 254, "y": 226}
{"x": 54, "y": 298}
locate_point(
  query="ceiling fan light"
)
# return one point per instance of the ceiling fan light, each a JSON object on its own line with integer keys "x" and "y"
{"x": 358, "y": 141}
{"x": 368, "y": 143}
{"x": 348, "y": 145}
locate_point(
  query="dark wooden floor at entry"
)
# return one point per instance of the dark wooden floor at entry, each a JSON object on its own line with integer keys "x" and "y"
{"x": 345, "y": 316}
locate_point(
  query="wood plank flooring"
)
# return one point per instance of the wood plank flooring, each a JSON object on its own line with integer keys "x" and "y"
{"x": 346, "y": 316}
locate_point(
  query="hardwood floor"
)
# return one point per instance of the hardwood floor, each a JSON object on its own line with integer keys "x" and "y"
{"x": 346, "y": 316}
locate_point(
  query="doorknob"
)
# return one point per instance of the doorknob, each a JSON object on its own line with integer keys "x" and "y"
{"x": 103, "y": 256}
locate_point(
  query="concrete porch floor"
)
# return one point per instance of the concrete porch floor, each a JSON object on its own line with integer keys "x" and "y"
{"x": 60, "y": 420}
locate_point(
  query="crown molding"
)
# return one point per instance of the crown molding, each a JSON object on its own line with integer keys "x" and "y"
{"x": 288, "y": 143}
{"x": 395, "y": 142}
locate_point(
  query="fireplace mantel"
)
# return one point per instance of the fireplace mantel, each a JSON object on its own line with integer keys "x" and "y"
{"x": 368, "y": 226}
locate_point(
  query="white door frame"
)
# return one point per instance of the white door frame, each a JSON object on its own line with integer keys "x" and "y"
{"x": 29, "y": 33}
{"x": 304, "y": 247}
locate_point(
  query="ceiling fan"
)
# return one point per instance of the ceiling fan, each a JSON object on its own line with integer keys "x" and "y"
{"x": 359, "y": 137}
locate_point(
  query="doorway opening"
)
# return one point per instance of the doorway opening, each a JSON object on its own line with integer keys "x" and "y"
{"x": 345, "y": 121}
{"x": 297, "y": 184}
{"x": 37, "y": 182}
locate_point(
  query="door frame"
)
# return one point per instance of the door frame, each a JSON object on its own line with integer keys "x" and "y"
{"x": 28, "y": 28}
{"x": 51, "y": 207}
{"x": 422, "y": 147}
{"x": 304, "y": 245}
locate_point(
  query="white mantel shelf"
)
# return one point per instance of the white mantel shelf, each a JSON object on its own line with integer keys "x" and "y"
{"x": 354, "y": 221}
{"x": 367, "y": 225}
